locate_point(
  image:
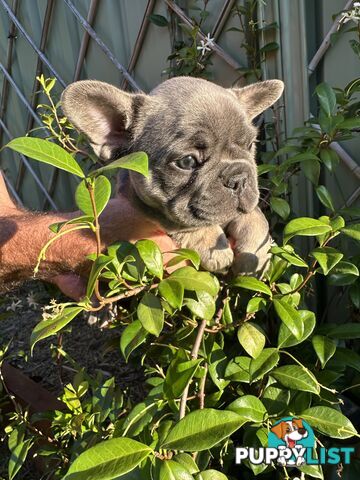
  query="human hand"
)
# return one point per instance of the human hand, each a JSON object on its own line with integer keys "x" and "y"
{"x": 120, "y": 221}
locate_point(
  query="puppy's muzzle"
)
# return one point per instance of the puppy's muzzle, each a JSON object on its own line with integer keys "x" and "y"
{"x": 237, "y": 183}
{"x": 236, "y": 177}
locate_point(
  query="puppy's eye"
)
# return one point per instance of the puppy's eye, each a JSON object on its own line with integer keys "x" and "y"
{"x": 251, "y": 144}
{"x": 187, "y": 163}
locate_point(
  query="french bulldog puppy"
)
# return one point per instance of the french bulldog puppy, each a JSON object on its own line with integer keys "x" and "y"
{"x": 200, "y": 140}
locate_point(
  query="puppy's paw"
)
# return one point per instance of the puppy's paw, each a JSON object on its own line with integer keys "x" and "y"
{"x": 217, "y": 260}
{"x": 251, "y": 241}
{"x": 246, "y": 263}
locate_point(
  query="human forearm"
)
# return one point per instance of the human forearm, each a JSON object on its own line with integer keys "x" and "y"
{"x": 23, "y": 234}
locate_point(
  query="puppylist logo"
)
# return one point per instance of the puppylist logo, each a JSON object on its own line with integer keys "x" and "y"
{"x": 291, "y": 442}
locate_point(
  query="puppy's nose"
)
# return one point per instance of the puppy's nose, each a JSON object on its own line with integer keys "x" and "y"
{"x": 302, "y": 431}
{"x": 237, "y": 182}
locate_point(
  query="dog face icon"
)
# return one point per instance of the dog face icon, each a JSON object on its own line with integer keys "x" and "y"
{"x": 290, "y": 431}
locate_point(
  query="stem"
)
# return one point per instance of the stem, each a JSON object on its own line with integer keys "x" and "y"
{"x": 47, "y": 245}
{"x": 194, "y": 356}
{"x": 62, "y": 135}
{"x": 129, "y": 293}
{"x": 90, "y": 188}
{"x": 202, "y": 388}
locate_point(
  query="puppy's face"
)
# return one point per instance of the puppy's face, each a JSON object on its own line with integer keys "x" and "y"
{"x": 198, "y": 136}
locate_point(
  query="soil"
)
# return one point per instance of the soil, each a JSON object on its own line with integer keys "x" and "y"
{"x": 89, "y": 344}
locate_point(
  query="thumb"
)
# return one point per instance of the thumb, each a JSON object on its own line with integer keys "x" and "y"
{"x": 5, "y": 199}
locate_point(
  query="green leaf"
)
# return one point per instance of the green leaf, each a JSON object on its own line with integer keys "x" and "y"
{"x": 98, "y": 266}
{"x": 237, "y": 370}
{"x": 296, "y": 378}
{"x": 187, "y": 461}
{"x": 139, "y": 417}
{"x": 172, "y": 291}
{"x": 46, "y": 328}
{"x": 133, "y": 336}
{"x": 108, "y": 460}
{"x": 250, "y": 408}
{"x": 352, "y": 231}
{"x": 344, "y": 273}
{"x": 337, "y": 223}
{"x": 275, "y": 398}
{"x": 202, "y": 307}
{"x": 350, "y": 123}
{"x": 343, "y": 331}
{"x": 301, "y": 157}
{"x": 196, "y": 281}
{"x": 251, "y": 283}
{"x": 211, "y": 475}
{"x": 324, "y": 347}
{"x": 327, "y": 258}
{"x": 327, "y": 98}
{"x": 290, "y": 317}
{"x": 287, "y": 339}
{"x": 170, "y": 470}
{"x": 202, "y": 429}
{"x": 329, "y": 421}
{"x": 325, "y": 197}
{"x": 311, "y": 169}
{"x": 305, "y": 226}
{"x": 102, "y": 193}
{"x": 185, "y": 254}
{"x": 251, "y": 339}
{"x": 217, "y": 361}
{"x": 315, "y": 471}
{"x": 255, "y": 304}
{"x": 19, "y": 449}
{"x": 354, "y": 294}
{"x": 46, "y": 152}
{"x": 151, "y": 255}
{"x": 345, "y": 358}
{"x": 158, "y": 20}
{"x": 280, "y": 206}
{"x": 265, "y": 362}
{"x": 138, "y": 162}
{"x": 269, "y": 47}
{"x": 178, "y": 375}
{"x": 151, "y": 314}
{"x": 329, "y": 158}
{"x": 287, "y": 253}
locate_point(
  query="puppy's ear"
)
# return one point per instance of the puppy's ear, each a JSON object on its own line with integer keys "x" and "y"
{"x": 278, "y": 429}
{"x": 104, "y": 113}
{"x": 259, "y": 96}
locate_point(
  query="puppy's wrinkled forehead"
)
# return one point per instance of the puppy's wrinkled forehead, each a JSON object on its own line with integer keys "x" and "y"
{"x": 187, "y": 105}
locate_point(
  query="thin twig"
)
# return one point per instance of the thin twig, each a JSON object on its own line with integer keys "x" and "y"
{"x": 202, "y": 388}
{"x": 194, "y": 356}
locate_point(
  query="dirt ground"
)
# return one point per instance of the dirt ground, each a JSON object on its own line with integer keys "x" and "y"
{"x": 88, "y": 344}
